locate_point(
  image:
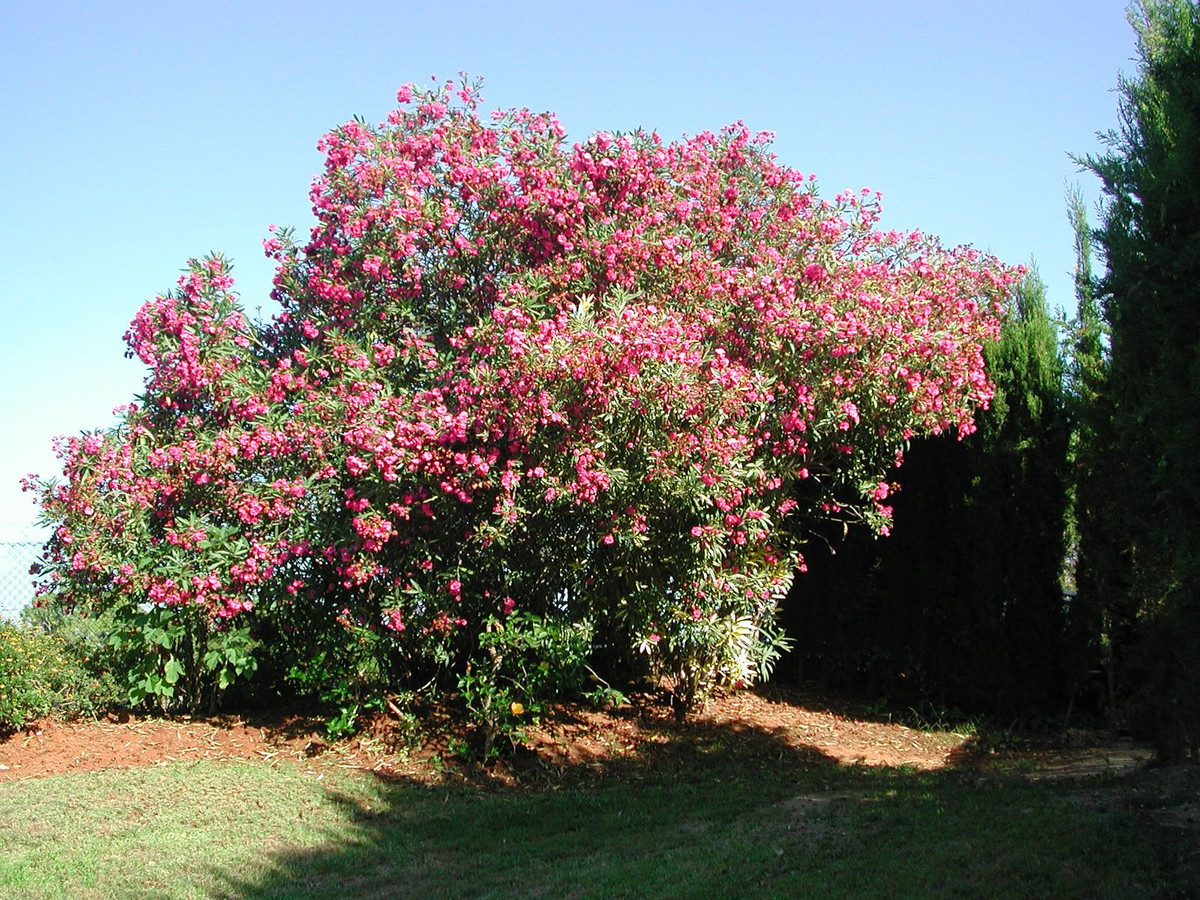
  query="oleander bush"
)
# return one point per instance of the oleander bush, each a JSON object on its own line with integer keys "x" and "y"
{"x": 608, "y": 386}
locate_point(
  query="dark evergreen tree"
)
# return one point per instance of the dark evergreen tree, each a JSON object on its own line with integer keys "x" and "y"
{"x": 1017, "y": 502}
{"x": 1150, "y": 237}
{"x": 963, "y": 604}
{"x": 1093, "y": 546}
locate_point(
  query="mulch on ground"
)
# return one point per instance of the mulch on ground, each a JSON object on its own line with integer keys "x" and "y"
{"x": 577, "y": 741}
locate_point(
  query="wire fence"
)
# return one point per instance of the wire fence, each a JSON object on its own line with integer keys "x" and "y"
{"x": 21, "y": 549}
{"x": 16, "y": 582}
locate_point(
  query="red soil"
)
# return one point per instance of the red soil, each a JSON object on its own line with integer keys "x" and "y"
{"x": 576, "y": 740}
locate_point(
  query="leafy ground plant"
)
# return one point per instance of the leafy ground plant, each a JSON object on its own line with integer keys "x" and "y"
{"x": 42, "y": 674}
{"x": 525, "y": 661}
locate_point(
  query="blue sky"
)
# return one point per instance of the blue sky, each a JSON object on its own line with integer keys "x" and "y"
{"x": 137, "y": 135}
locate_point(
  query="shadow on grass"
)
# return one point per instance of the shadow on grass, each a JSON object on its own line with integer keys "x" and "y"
{"x": 718, "y": 811}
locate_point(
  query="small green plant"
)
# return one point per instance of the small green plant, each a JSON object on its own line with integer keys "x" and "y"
{"x": 524, "y": 662}
{"x": 405, "y": 731}
{"x": 605, "y": 695}
{"x": 929, "y": 716}
{"x": 349, "y": 672}
{"x": 880, "y": 709}
{"x": 701, "y": 652}
{"x": 179, "y": 660}
{"x": 40, "y": 675}
{"x": 345, "y": 722}
{"x": 999, "y": 740}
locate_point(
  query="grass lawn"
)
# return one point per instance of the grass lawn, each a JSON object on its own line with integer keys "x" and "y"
{"x": 704, "y": 821}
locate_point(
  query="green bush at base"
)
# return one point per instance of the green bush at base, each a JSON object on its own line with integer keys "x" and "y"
{"x": 40, "y": 675}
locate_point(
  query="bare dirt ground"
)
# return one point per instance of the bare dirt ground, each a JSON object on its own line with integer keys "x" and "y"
{"x": 575, "y": 741}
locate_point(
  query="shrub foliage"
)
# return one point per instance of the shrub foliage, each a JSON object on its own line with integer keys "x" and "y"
{"x": 610, "y": 385}
{"x": 43, "y": 674}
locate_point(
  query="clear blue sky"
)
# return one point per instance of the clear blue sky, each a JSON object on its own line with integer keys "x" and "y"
{"x": 137, "y": 135}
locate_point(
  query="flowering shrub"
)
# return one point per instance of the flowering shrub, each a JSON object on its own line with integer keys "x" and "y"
{"x": 41, "y": 674}
{"x": 608, "y": 382}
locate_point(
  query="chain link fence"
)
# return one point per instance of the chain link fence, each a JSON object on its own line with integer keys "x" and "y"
{"x": 16, "y": 584}
{"x": 20, "y": 548}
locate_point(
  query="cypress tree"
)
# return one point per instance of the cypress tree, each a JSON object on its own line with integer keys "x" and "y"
{"x": 1150, "y": 294}
{"x": 1016, "y": 505}
{"x": 1093, "y": 545}
{"x": 962, "y": 606}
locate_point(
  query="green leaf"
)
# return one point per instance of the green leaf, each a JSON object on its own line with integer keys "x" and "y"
{"x": 173, "y": 670}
